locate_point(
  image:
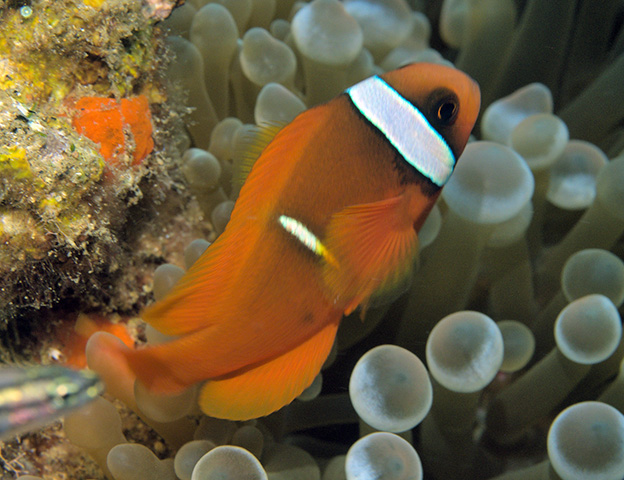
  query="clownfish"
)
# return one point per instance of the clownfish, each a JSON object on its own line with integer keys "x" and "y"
{"x": 327, "y": 218}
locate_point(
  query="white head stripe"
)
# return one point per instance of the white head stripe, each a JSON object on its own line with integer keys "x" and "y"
{"x": 405, "y": 128}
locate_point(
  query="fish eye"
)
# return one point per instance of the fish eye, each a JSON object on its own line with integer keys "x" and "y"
{"x": 444, "y": 107}
{"x": 447, "y": 112}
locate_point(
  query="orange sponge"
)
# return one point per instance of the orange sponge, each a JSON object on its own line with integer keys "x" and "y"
{"x": 104, "y": 120}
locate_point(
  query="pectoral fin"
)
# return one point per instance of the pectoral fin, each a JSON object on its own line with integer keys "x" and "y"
{"x": 374, "y": 245}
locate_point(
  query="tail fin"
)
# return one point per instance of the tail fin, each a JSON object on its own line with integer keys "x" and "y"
{"x": 108, "y": 356}
{"x": 119, "y": 366}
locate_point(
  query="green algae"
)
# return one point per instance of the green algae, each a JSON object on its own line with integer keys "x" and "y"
{"x": 63, "y": 46}
{"x": 13, "y": 163}
{"x": 61, "y": 205}
{"x": 47, "y": 168}
{"x": 21, "y": 237}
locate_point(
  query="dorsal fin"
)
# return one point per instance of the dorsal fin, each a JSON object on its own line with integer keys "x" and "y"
{"x": 255, "y": 140}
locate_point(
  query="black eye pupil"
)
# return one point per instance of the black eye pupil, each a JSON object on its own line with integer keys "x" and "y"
{"x": 447, "y": 111}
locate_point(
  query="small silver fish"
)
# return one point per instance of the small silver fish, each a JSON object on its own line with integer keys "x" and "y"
{"x": 31, "y": 397}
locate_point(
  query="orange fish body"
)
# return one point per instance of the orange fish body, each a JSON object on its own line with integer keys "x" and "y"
{"x": 327, "y": 217}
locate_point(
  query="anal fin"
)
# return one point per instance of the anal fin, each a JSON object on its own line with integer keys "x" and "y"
{"x": 263, "y": 388}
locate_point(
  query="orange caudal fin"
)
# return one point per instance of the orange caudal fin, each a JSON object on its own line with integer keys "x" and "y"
{"x": 374, "y": 245}
{"x": 119, "y": 366}
{"x": 154, "y": 371}
{"x": 263, "y": 388}
{"x": 85, "y": 326}
{"x": 175, "y": 365}
{"x": 107, "y": 355}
